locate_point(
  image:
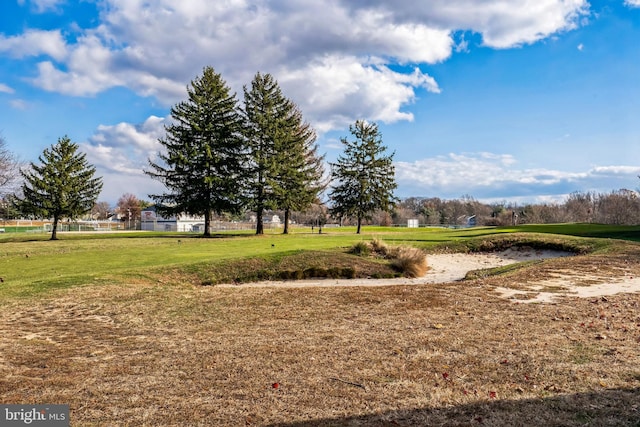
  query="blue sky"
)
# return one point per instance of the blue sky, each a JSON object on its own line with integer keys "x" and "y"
{"x": 500, "y": 100}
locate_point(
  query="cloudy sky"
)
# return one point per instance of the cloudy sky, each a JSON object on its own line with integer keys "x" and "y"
{"x": 497, "y": 99}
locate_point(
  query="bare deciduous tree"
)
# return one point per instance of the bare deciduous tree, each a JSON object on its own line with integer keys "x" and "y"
{"x": 9, "y": 168}
{"x": 101, "y": 210}
{"x": 129, "y": 208}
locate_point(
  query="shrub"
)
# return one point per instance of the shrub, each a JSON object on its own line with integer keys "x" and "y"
{"x": 349, "y": 273}
{"x": 360, "y": 248}
{"x": 291, "y": 275}
{"x": 312, "y": 272}
{"x": 334, "y": 272}
{"x": 407, "y": 260}
{"x": 379, "y": 247}
{"x": 411, "y": 262}
{"x": 376, "y": 247}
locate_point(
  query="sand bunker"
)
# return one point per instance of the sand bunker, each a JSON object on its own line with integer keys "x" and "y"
{"x": 445, "y": 268}
{"x": 571, "y": 286}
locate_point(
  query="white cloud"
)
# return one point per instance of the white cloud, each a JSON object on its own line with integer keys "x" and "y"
{"x": 502, "y": 24}
{"x": 610, "y": 171}
{"x": 458, "y": 170}
{"x": 35, "y": 43}
{"x": 129, "y": 145}
{"x": 41, "y": 6}
{"x": 490, "y": 176}
{"x": 120, "y": 154}
{"x": 111, "y": 159}
{"x": 529, "y": 21}
{"x": 116, "y": 184}
{"x": 462, "y": 45}
{"x": 632, "y": 3}
{"x": 340, "y": 60}
{"x": 581, "y": 47}
{"x": 19, "y": 104}
{"x": 341, "y": 88}
{"x": 89, "y": 64}
{"x": 6, "y": 89}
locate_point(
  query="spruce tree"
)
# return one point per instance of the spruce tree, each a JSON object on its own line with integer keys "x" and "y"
{"x": 299, "y": 168}
{"x": 285, "y": 166}
{"x": 364, "y": 175}
{"x": 63, "y": 186}
{"x": 203, "y": 164}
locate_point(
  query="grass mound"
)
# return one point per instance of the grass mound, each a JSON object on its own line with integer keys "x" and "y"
{"x": 537, "y": 241}
{"x": 296, "y": 265}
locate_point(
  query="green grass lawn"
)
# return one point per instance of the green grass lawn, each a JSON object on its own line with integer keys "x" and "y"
{"x": 31, "y": 264}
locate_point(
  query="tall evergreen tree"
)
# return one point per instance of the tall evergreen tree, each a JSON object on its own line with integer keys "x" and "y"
{"x": 204, "y": 160}
{"x": 300, "y": 167}
{"x": 260, "y": 113}
{"x": 364, "y": 176}
{"x": 286, "y": 168}
{"x": 63, "y": 186}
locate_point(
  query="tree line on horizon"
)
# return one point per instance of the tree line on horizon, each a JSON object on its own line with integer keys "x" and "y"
{"x": 618, "y": 207}
{"x": 220, "y": 157}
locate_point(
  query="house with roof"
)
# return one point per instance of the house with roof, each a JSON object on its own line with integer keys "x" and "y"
{"x": 152, "y": 220}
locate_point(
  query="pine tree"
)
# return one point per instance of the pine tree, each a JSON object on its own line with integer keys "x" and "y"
{"x": 260, "y": 128}
{"x": 286, "y": 168}
{"x": 63, "y": 186}
{"x": 300, "y": 167}
{"x": 364, "y": 176}
{"x": 204, "y": 161}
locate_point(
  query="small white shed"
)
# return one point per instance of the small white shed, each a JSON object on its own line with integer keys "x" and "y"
{"x": 151, "y": 220}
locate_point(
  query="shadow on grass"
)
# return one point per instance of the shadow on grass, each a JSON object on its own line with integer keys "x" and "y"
{"x": 619, "y": 407}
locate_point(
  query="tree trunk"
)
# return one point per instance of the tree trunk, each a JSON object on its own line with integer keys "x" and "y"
{"x": 286, "y": 222}
{"x": 359, "y": 225}
{"x": 54, "y": 229}
{"x": 259, "y": 223}
{"x": 207, "y": 223}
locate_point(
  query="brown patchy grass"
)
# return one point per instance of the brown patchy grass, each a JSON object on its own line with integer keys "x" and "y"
{"x": 453, "y": 354}
{"x": 410, "y": 261}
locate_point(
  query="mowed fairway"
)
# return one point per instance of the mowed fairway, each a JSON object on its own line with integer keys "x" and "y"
{"x": 120, "y": 328}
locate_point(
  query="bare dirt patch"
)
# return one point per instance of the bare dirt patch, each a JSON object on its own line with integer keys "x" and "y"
{"x": 583, "y": 277}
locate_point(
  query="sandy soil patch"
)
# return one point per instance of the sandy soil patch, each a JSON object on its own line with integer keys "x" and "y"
{"x": 572, "y": 285}
{"x": 446, "y": 268}
{"x": 443, "y": 268}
